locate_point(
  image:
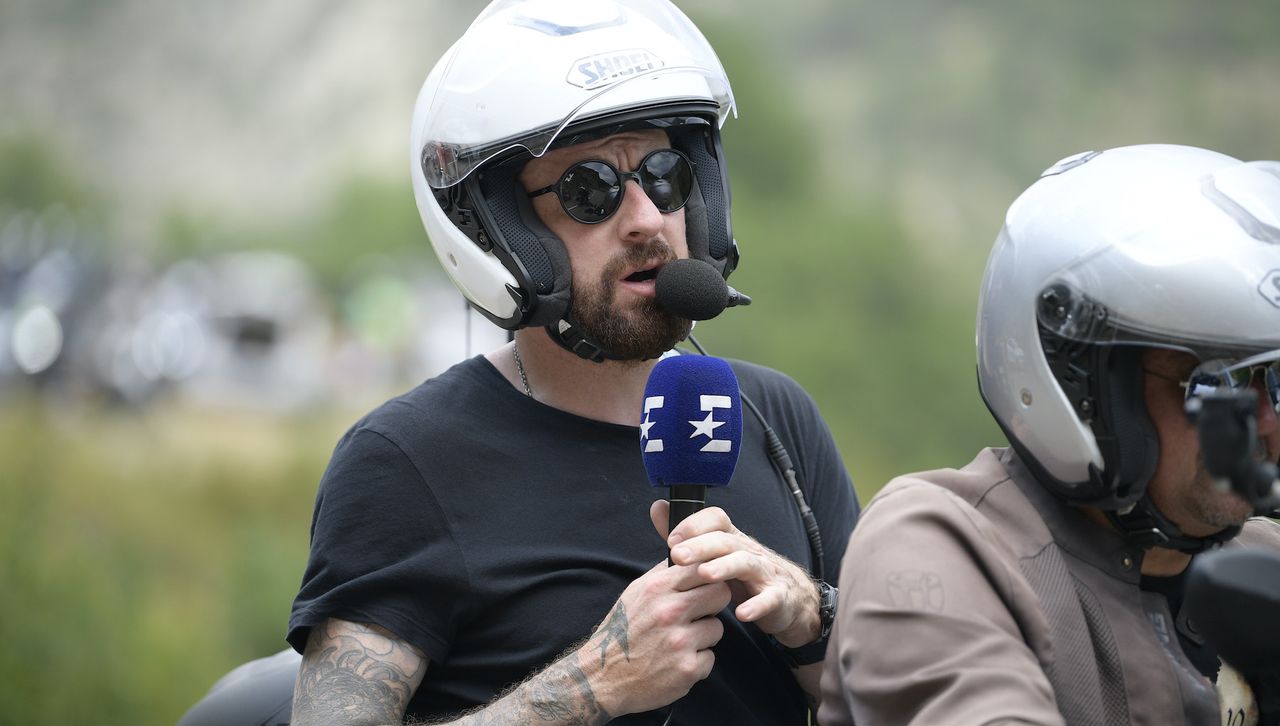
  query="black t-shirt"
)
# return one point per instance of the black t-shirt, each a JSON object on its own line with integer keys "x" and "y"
{"x": 493, "y": 532}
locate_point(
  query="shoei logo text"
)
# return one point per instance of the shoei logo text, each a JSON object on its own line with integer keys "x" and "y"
{"x": 1270, "y": 287}
{"x": 601, "y": 70}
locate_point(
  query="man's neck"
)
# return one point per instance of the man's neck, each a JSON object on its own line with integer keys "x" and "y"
{"x": 1162, "y": 562}
{"x": 1158, "y": 561}
{"x": 612, "y": 391}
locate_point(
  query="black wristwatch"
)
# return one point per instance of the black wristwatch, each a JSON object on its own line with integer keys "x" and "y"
{"x": 814, "y": 652}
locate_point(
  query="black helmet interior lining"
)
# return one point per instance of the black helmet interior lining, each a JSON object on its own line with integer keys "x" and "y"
{"x": 541, "y": 260}
{"x": 1104, "y": 385}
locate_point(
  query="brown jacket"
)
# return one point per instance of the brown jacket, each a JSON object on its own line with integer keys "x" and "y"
{"x": 975, "y": 597}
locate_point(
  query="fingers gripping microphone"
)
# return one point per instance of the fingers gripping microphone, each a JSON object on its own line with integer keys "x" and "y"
{"x": 1233, "y": 597}
{"x": 690, "y": 429}
{"x": 694, "y": 290}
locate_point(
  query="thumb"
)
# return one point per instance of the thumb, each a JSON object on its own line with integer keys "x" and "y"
{"x": 658, "y": 514}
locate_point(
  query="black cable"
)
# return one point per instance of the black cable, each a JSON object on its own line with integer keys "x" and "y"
{"x": 782, "y": 464}
{"x": 466, "y": 328}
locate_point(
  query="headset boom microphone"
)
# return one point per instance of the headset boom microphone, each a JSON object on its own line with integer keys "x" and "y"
{"x": 695, "y": 290}
{"x": 691, "y": 429}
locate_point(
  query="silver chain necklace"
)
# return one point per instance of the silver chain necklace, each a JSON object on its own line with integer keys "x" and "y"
{"x": 524, "y": 379}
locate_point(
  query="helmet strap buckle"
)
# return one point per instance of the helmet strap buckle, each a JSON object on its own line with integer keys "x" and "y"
{"x": 1144, "y": 526}
{"x": 571, "y": 338}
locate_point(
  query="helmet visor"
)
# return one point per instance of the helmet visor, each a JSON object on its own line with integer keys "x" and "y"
{"x": 527, "y": 69}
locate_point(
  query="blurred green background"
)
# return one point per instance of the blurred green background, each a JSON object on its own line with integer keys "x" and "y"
{"x": 230, "y": 178}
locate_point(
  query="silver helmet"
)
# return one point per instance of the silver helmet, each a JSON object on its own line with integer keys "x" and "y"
{"x": 1106, "y": 254}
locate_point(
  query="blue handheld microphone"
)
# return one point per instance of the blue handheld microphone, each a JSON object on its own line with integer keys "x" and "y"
{"x": 690, "y": 429}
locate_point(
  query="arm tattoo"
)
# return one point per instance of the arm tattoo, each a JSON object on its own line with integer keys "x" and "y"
{"x": 560, "y": 694}
{"x": 355, "y": 674}
{"x": 552, "y": 700}
{"x": 615, "y": 628}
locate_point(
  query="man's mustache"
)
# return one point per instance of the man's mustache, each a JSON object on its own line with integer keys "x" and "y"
{"x": 636, "y": 255}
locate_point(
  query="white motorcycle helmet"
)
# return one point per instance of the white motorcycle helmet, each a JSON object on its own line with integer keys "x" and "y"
{"x": 531, "y": 75}
{"x": 1106, "y": 254}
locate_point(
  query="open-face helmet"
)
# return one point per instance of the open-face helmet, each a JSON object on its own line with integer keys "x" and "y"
{"x": 1106, "y": 254}
{"x": 531, "y": 75}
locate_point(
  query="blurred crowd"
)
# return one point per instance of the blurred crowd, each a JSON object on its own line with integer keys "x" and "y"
{"x": 81, "y": 321}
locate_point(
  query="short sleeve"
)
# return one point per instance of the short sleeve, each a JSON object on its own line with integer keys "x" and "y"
{"x": 381, "y": 550}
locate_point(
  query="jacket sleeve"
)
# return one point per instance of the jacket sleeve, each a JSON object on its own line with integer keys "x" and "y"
{"x": 931, "y": 617}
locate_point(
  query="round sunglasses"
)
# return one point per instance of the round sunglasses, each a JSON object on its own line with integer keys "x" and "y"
{"x": 591, "y": 191}
{"x": 1212, "y": 375}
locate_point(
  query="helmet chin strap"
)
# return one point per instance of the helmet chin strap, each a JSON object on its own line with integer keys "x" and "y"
{"x": 573, "y": 339}
{"x": 1144, "y": 526}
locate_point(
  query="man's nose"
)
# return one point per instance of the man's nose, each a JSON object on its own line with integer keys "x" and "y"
{"x": 639, "y": 218}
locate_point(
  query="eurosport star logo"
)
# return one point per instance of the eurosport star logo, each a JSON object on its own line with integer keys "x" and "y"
{"x": 704, "y": 427}
{"x": 605, "y": 68}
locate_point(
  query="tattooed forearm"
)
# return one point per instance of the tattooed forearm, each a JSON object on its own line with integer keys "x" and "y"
{"x": 565, "y": 696}
{"x": 355, "y": 674}
{"x": 361, "y": 675}
{"x": 615, "y": 628}
{"x": 561, "y": 694}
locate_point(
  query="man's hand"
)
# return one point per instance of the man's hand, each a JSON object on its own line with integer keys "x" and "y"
{"x": 654, "y": 645}
{"x": 771, "y": 591}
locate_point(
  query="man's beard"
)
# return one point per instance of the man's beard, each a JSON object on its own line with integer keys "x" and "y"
{"x": 1215, "y": 508}
{"x": 642, "y": 332}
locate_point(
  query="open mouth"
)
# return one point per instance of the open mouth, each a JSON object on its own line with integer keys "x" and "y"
{"x": 643, "y": 275}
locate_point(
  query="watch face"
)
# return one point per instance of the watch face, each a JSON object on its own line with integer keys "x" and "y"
{"x": 828, "y": 598}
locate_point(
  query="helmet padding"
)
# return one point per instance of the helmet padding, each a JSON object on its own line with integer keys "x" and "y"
{"x": 543, "y": 263}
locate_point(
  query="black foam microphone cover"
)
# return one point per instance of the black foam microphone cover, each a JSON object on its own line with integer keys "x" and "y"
{"x": 1233, "y": 598}
{"x": 692, "y": 289}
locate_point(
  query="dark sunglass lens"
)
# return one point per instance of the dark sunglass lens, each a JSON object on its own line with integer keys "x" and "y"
{"x": 1202, "y": 383}
{"x": 589, "y": 191}
{"x": 1217, "y": 374}
{"x": 667, "y": 179}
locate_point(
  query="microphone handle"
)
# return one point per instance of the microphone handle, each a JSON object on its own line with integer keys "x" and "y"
{"x": 685, "y": 500}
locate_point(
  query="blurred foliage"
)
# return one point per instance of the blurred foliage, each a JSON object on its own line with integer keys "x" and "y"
{"x": 34, "y": 176}
{"x": 144, "y": 553}
{"x": 147, "y": 552}
{"x": 843, "y": 301}
{"x": 363, "y": 215}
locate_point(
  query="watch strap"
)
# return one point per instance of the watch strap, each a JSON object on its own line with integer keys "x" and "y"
{"x": 814, "y": 652}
